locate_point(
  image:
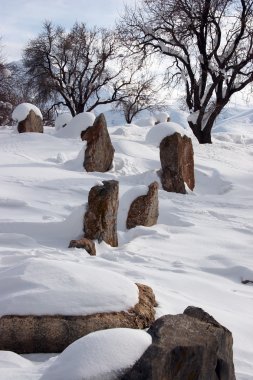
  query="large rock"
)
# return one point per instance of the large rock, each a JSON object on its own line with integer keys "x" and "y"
{"x": 176, "y": 155}
{"x": 99, "y": 152}
{"x": 32, "y": 123}
{"x": 100, "y": 219}
{"x": 37, "y": 334}
{"x": 144, "y": 209}
{"x": 189, "y": 346}
{"x": 84, "y": 243}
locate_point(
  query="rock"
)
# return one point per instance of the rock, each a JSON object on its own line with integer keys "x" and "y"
{"x": 32, "y": 123}
{"x": 176, "y": 155}
{"x": 100, "y": 219}
{"x": 144, "y": 209}
{"x": 187, "y": 346}
{"x": 84, "y": 243}
{"x": 45, "y": 333}
{"x": 99, "y": 152}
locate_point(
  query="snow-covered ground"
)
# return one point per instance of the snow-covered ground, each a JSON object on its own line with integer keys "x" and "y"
{"x": 197, "y": 254}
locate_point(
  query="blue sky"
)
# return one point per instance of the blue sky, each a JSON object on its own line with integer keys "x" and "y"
{"x": 21, "y": 20}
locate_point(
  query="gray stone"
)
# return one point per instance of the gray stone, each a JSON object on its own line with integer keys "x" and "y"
{"x": 189, "y": 346}
{"x": 176, "y": 155}
{"x": 84, "y": 243}
{"x": 32, "y": 123}
{"x": 144, "y": 209}
{"x": 53, "y": 333}
{"x": 99, "y": 152}
{"x": 100, "y": 219}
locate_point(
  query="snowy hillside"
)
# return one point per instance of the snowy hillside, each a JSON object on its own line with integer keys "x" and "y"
{"x": 197, "y": 254}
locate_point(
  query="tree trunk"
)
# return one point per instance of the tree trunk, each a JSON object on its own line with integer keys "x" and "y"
{"x": 203, "y": 136}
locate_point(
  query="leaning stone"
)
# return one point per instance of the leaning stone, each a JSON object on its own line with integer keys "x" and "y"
{"x": 100, "y": 219}
{"x": 176, "y": 155}
{"x": 46, "y": 334}
{"x": 84, "y": 243}
{"x": 99, "y": 152}
{"x": 144, "y": 209}
{"x": 184, "y": 348}
{"x": 32, "y": 123}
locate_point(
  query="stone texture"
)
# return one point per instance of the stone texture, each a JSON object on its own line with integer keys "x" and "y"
{"x": 100, "y": 219}
{"x": 99, "y": 152}
{"x": 189, "y": 346}
{"x": 144, "y": 209}
{"x": 32, "y": 123}
{"x": 41, "y": 334}
{"x": 84, "y": 243}
{"x": 176, "y": 155}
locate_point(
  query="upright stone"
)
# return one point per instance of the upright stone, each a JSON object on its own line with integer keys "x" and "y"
{"x": 32, "y": 123}
{"x": 99, "y": 152}
{"x": 186, "y": 347}
{"x": 144, "y": 209}
{"x": 100, "y": 219}
{"x": 176, "y": 155}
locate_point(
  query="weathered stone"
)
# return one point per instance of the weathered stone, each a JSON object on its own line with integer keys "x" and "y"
{"x": 99, "y": 152}
{"x": 176, "y": 155}
{"x": 38, "y": 334}
{"x": 84, "y": 243}
{"x": 144, "y": 209}
{"x": 100, "y": 219}
{"x": 32, "y": 123}
{"x": 186, "y": 347}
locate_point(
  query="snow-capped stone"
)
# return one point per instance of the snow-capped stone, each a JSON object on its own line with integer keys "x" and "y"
{"x": 76, "y": 125}
{"x": 156, "y": 134}
{"x": 21, "y": 112}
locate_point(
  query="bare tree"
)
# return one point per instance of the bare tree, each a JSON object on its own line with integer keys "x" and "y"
{"x": 208, "y": 42}
{"x": 141, "y": 94}
{"x": 76, "y": 67}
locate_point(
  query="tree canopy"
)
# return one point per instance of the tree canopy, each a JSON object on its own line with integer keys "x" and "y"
{"x": 209, "y": 46}
{"x": 83, "y": 68}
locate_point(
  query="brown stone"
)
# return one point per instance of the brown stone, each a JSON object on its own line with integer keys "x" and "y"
{"x": 100, "y": 219}
{"x": 38, "y": 334}
{"x": 84, "y": 243}
{"x": 99, "y": 152}
{"x": 176, "y": 155}
{"x": 144, "y": 209}
{"x": 187, "y": 346}
{"x": 32, "y": 123}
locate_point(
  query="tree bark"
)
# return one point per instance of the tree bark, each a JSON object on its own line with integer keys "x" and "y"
{"x": 203, "y": 136}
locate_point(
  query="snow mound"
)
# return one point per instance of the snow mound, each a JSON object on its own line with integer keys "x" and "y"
{"x": 62, "y": 120}
{"x": 147, "y": 122}
{"x": 10, "y": 359}
{"x": 162, "y": 117}
{"x": 76, "y": 125}
{"x": 22, "y": 110}
{"x": 45, "y": 287}
{"x": 77, "y": 163}
{"x": 156, "y": 134}
{"x": 101, "y": 355}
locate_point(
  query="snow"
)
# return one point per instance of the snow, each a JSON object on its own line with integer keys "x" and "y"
{"x": 162, "y": 117}
{"x": 47, "y": 287}
{"x": 146, "y": 122}
{"x": 197, "y": 254}
{"x": 76, "y": 125}
{"x": 22, "y": 110}
{"x": 62, "y": 120}
{"x": 102, "y": 355}
{"x": 156, "y": 134}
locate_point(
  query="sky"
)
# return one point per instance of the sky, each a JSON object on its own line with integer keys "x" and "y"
{"x": 21, "y": 20}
